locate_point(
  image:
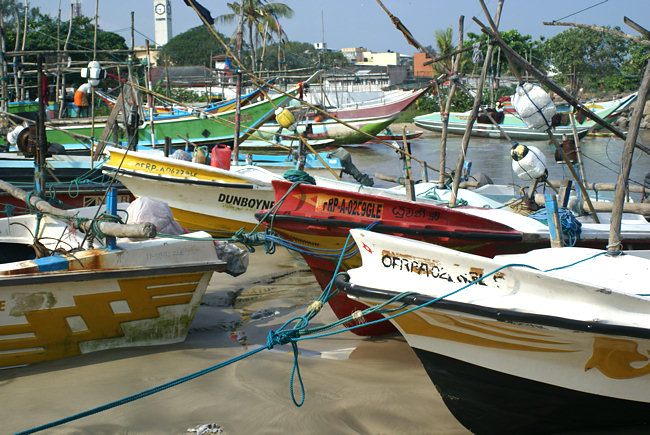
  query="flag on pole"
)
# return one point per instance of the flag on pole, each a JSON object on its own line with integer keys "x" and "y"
{"x": 201, "y": 11}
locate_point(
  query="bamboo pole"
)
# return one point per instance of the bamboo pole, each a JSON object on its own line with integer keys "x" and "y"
{"x": 22, "y": 58}
{"x": 472, "y": 116}
{"x": 444, "y": 116}
{"x": 235, "y": 143}
{"x": 145, "y": 230}
{"x": 3, "y": 74}
{"x": 599, "y": 29}
{"x": 614, "y": 246}
{"x": 576, "y": 140}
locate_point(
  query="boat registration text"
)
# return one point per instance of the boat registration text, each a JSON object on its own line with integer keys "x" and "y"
{"x": 349, "y": 207}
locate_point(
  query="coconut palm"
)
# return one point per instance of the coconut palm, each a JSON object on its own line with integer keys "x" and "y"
{"x": 257, "y": 13}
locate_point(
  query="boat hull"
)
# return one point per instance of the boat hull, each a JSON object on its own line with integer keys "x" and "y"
{"x": 201, "y": 197}
{"x": 547, "y": 341}
{"x": 142, "y": 293}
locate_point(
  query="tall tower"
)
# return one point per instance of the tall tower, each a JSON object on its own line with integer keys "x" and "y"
{"x": 162, "y": 12}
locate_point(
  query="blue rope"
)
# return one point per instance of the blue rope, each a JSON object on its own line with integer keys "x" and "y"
{"x": 284, "y": 336}
{"x": 571, "y": 227}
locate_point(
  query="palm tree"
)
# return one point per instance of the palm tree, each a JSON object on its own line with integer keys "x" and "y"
{"x": 258, "y": 15}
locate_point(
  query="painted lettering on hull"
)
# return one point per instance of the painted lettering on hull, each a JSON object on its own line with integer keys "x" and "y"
{"x": 429, "y": 268}
{"x": 163, "y": 169}
{"x": 338, "y": 206}
{"x": 243, "y": 202}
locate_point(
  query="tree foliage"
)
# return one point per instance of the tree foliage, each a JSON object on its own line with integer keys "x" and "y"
{"x": 258, "y": 18}
{"x": 524, "y": 45}
{"x": 193, "y": 47}
{"x": 599, "y": 60}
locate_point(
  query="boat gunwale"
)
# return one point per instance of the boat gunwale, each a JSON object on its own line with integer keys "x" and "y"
{"x": 101, "y": 274}
{"x": 341, "y": 281}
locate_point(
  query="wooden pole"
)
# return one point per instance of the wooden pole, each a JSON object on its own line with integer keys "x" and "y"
{"x": 3, "y": 74}
{"x": 444, "y": 115}
{"x": 410, "y": 189}
{"x": 41, "y": 150}
{"x": 150, "y": 99}
{"x": 235, "y": 143}
{"x": 576, "y": 140}
{"x": 472, "y": 116}
{"x": 614, "y": 246}
{"x": 22, "y": 58}
{"x": 62, "y": 107}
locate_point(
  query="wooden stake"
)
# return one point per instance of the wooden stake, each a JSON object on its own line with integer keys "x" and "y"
{"x": 614, "y": 246}
{"x": 472, "y": 116}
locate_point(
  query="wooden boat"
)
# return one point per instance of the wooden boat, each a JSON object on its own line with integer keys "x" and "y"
{"x": 60, "y": 298}
{"x": 535, "y": 347}
{"x": 202, "y": 129}
{"x": 370, "y": 117}
{"x": 515, "y": 127}
{"x": 388, "y": 135}
{"x": 319, "y": 218}
{"x": 201, "y": 197}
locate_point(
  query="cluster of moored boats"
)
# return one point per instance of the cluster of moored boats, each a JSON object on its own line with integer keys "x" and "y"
{"x": 515, "y": 335}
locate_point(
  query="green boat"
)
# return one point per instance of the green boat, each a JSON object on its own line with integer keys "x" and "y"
{"x": 201, "y": 130}
{"x": 516, "y": 128}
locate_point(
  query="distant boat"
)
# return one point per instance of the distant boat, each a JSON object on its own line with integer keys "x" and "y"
{"x": 551, "y": 341}
{"x": 515, "y": 127}
{"x": 371, "y": 117}
{"x": 202, "y": 128}
{"x": 60, "y": 298}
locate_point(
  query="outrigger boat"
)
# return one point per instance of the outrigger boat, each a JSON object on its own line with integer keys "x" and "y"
{"x": 201, "y": 128}
{"x": 371, "y": 118}
{"x": 319, "y": 219}
{"x": 515, "y": 127}
{"x": 549, "y": 341}
{"x": 59, "y": 297}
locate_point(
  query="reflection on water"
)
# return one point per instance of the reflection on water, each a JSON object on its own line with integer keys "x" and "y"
{"x": 601, "y": 159}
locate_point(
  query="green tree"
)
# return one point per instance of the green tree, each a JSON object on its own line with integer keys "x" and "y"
{"x": 524, "y": 45}
{"x": 256, "y": 14}
{"x": 598, "y": 60}
{"x": 193, "y": 47}
{"x": 302, "y": 55}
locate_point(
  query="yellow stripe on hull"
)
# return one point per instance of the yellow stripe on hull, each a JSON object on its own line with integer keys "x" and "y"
{"x": 136, "y": 311}
{"x": 215, "y": 225}
{"x": 169, "y": 167}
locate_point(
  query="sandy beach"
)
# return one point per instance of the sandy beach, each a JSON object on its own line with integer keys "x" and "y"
{"x": 352, "y": 385}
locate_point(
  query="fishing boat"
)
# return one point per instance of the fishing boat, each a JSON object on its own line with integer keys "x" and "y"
{"x": 555, "y": 340}
{"x": 388, "y": 135}
{"x": 370, "y": 117}
{"x": 319, "y": 218}
{"x": 60, "y": 297}
{"x": 516, "y": 128}
{"x": 201, "y": 128}
{"x": 201, "y": 197}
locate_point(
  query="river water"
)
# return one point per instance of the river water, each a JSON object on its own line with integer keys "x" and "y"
{"x": 601, "y": 159}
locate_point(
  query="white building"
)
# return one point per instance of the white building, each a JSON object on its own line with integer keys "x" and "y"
{"x": 162, "y": 12}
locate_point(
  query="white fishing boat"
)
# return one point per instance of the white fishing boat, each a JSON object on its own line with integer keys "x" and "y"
{"x": 548, "y": 341}
{"x": 61, "y": 297}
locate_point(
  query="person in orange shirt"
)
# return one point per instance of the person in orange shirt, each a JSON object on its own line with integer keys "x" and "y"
{"x": 81, "y": 99}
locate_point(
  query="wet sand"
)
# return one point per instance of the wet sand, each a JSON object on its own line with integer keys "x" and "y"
{"x": 352, "y": 385}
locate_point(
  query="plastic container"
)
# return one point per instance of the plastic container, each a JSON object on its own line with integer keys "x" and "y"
{"x": 220, "y": 157}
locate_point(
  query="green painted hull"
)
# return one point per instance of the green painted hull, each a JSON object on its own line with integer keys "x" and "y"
{"x": 217, "y": 128}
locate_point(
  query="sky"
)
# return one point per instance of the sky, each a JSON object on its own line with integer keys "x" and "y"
{"x": 362, "y": 23}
